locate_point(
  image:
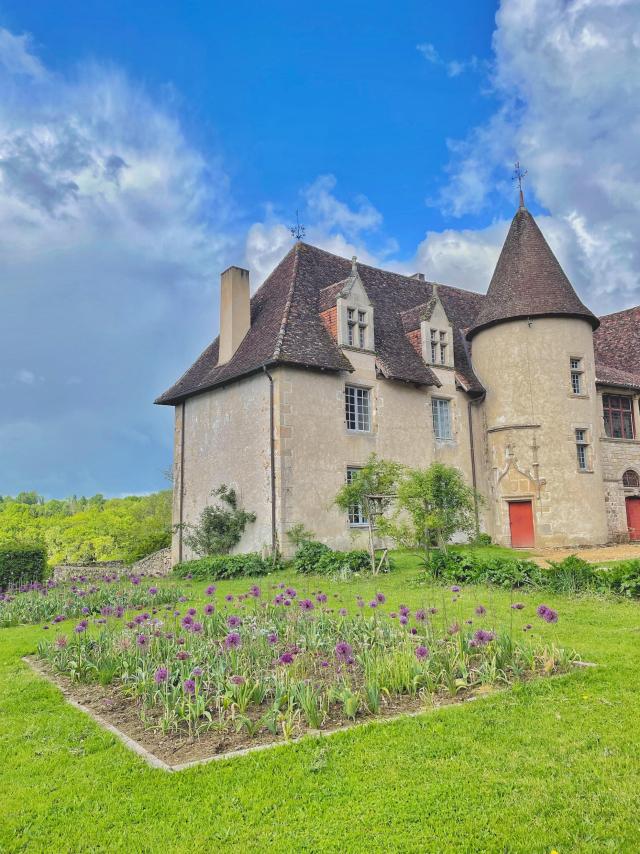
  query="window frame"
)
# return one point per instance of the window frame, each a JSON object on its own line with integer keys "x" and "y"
{"x": 577, "y": 375}
{"x": 355, "y": 513}
{"x": 582, "y": 448}
{"x": 609, "y": 412}
{"x": 635, "y": 485}
{"x": 438, "y": 406}
{"x": 361, "y": 414}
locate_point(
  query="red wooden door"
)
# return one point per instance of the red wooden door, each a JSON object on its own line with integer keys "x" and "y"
{"x": 633, "y": 517}
{"x": 521, "y": 522}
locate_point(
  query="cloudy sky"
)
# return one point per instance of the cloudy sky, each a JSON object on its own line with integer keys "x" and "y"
{"x": 144, "y": 149}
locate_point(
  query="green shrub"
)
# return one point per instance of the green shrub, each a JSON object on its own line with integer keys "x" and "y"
{"x": 571, "y": 575}
{"x": 21, "y": 565}
{"x": 224, "y": 566}
{"x": 623, "y": 578}
{"x": 308, "y": 556}
{"x": 467, "y": 568}
{"x": 482, "y": 540}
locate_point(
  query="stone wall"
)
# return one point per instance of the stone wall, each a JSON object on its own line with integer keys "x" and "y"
{"x": 158, "y": 563}
{"x": 67, "y": 571}
{"x": 618, "y": 455}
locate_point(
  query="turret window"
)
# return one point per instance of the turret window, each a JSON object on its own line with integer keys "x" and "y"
{"x": 577, "y": 385}
{"x": 582, "y": 449}
{"x": 617, "y": 411}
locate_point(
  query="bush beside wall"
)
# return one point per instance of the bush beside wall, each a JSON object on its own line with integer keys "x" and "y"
{"x": 224, "y": 566}
{"x": 21, "y": 565}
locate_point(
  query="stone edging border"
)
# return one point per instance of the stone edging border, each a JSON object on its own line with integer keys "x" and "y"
{"x": 153, "y": 760}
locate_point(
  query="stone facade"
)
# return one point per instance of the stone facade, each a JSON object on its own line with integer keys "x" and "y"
{"x": 157, "y": 563}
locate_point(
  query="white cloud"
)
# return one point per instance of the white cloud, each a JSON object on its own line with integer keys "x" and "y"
{"x": 453, "y": 67}
{"x": 113, "y": 230}
{"x": 566, "y": 74}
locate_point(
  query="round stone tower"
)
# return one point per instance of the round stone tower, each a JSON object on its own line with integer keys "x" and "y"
{"x": 532, "y": 349}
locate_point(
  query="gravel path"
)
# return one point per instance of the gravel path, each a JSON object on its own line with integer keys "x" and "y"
{"x": 598, "y": 554}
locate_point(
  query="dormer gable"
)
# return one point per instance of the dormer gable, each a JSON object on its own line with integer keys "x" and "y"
{"x": 347, "y": 312}
{"x": 430, "y": 332}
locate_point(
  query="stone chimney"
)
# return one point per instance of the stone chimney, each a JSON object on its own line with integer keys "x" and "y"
{"x": 235, "y": 316}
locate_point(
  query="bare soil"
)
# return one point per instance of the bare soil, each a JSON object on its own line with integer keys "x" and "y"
{"x": 594, "y": 554}
{"x": 177, "y": 748}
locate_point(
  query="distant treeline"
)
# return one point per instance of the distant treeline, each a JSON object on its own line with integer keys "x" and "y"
{"x": 79, "y": 529}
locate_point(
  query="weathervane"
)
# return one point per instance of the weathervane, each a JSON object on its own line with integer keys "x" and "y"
{"x": 518, "y": 174}
{"x": 297, "y": 230}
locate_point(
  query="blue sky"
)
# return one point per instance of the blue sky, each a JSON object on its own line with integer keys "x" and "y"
{"x": 145, "y": 146}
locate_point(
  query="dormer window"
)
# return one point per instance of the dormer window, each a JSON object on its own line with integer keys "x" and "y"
{"x": 357, "y": 328}
{"x": 439, "y": 347}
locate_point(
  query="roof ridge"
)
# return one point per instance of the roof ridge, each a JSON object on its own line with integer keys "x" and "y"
{"x": 287, "y": 308}
{"x": 621, "y": 311}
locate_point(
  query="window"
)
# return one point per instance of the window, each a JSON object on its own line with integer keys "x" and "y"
{"x": 443, "y": 348}
{"x": 355, "y": 512}
{"x": 576, "y": 375}
{"x": 362, "y": 329}
{"x": 618, "y": 416}
{"x": 357, "y": 408}
{"x": 434, "y": 346}
{"x": 630, "y": 479}
{"x": 351, "y": 324}
{"x": 582, "y": 448}
{"x": 441, "y": 418}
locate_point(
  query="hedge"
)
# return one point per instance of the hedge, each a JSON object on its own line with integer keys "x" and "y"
{"x": 21, "y": 565}
{"x": 314, "y": 557}
{"x": 224, "y": 566}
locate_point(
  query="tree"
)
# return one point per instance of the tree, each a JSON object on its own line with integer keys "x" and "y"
{"x": 432, "y": 505}
{"x": 373, "y": 488}
{"x": 219, "y": 528}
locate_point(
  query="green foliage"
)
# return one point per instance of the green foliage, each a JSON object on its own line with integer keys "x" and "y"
{"x": 467, "y": 568}
{"x": 571, "y": 575}
{"x": 298, "y": 535}
{"x": 21, "y": 565}
{"x": 220, "y": 527}
{"x": 435, "y": 503}
{"x": 377, "y": 477}
{"x": 482, "y": 540}
{"x": 83, "y": 530}
{"x": 213, "y": 567}
{"x": 314, "y": 557}
{"x": 623, "y": 578}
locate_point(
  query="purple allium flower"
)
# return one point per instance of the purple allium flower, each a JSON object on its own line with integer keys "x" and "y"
{"x": 182, "y": 599}
{"x": 421, "y": 615}
{"x": 84, "y": 623}
{"x": 287, "y": 603}
{"x": 183, "y": 655}
{"x": 189, "y": 686}
{"x": 272, "y": 638}
{"x": 404, "y": 610}
{"x": 481, "y": 638}
{"x": 106, "y": 611}
{"x": 343, "y": 650}
{"x": 192, "y": 612}
{"x": 196, "y": 628}
{"x": 306, "y": 604}
{"x": 209, "y": 609}
{"x": 187, "y": 621}
{"x": 86, "y": 610}
{"x": 181, "y": 641}
{"x": 373, "y": 603}
{"x": 153, "y": 591}
{"x": 161, "y": 675}
{"x": 343, "y": 612}
{"x": 138, "y": 619}
{"x": 403, "y": 619}
{"x": 229, "y": 597}
{"x": 135, "y": 579}
{"x": 211, "y": 589}
{"x": 393, "y": 615}
{"x": 360, "y": 603}
{"x": 197, "y": 671}
{"x": 324, "y": 663}
{"x": 541, "y": 610}
{"x": 234, "y": 621}
{"x": 455, "y": 588}
{"x": 59, "y": 618}
{"x": 142, "y": 641}
{"x": 413, "y": 630}
{"x": 291, "y": 592}
{"x": 480, "y": 610}
{"x": 286, "y": 658}
{"x": 61, "y": 641}
{"x": 255, "y": 591}
{"x": 80, "y": 628}
{"x": 233, "y": 640}
{"x": 550, "y": 616}
{"x": 381, "y": 598}
{"x": 432, "y": 610}
{"x": 237, "y": 680}
{"x": 321, "y": 597}
{"x": 453, "y": 629}
{"x": 421, "y": 652}
{"x": 518, "y": 606}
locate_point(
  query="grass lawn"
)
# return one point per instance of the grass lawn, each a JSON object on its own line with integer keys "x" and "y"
{"x": 548, "y": 765}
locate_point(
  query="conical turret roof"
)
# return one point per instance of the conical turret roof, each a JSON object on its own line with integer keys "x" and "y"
{"x": 528, "y": 281}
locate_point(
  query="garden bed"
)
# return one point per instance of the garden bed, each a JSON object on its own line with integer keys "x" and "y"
{"x": 110, "y": 707}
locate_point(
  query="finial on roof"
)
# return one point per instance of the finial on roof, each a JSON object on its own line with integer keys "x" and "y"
{"x": 518, "y": 174}
{"x": 435, "y": 290}
{"x": 354, "y": 268}
{"x": 298, "y": 230}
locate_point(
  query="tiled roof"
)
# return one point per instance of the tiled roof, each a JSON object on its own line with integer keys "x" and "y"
{"x": 286, "y": 327}
{"x": 617, "y": 348}
{"x": 528, "y": 280}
